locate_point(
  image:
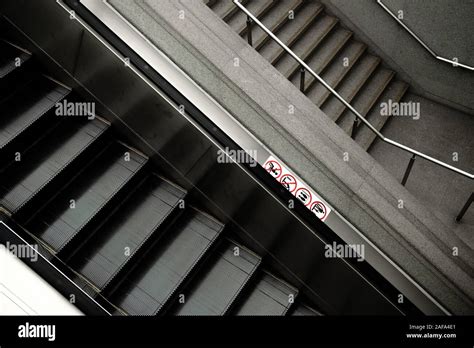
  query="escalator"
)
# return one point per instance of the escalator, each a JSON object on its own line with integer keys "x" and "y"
{"x": 128, "y": 235}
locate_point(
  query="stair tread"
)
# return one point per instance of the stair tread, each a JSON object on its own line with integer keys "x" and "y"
{"x": 225, "y": 8}
{"x": 351, "y": 84}
{"x": 325, "y": 53}
{"x": 153, "y": 282}
{"x": 8, "y": 56}
{"x": 274, "y": 19}
{"x": 257, "y": 7}
{"x": 364, "y": 136}
{"x": 334, "y": 73}
{"x": 45, "y": 160}
{"x": 91, "y": 190}
{"x": 292, "y": 31}
{"x": 218, "y": 286}
{"x": 269, "y": 296}
{"x": 102, "y": 256}
{"x": 367, "y": 97}
{"x": 26, "y": 106}
{"x": 305, "y": 46}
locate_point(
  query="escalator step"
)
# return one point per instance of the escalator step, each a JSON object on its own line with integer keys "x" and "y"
{"x": 269, "y": 296}
{"x": 303, "y": 310}
{"x": 11, "y": 57}
{"x": 60, "y": 220}
{"x": 216, "y": 287}
{"x": 41, "y": 163}
{"x": 27, "y": 106}
{"x": 113, "y": 245}
{"x": 169, "y": 262}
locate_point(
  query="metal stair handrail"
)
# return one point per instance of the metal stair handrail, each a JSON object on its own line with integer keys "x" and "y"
{"x": 424, "y": 44}
{"x": 252, "y": 18}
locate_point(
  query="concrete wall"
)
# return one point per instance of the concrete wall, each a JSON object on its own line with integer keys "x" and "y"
{"x": 445, "y": 25}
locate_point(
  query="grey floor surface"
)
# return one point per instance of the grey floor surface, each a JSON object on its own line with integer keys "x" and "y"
{"x": 439, "y": 132}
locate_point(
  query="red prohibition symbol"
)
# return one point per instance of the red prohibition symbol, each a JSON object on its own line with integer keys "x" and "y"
{"x": 274, "y": 168}
{"x": 319, "y": 208}
{"x": 304, "y": 195}
{"x": 289, "y": 182}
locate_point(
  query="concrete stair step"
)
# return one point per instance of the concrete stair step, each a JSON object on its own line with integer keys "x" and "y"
{"x": 258, "y": 8}
{"x": 368, "y": 96}
{"x": 275, "y": 19}
{"x": 364, "y": 136}
{"x": 324, "y": 55}
{"x": 210, "y": 3}
{"x": 225, "y": 8}
{"x": 306, "y": 45}
{"x": 350, "y": 85}
{"x": 291, "y": 31}
{"x": 335, "y": 72}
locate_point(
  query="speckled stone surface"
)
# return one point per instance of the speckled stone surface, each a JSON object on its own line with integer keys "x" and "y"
{"x": 308, "y": 141}
{"x": 439, "y": 23}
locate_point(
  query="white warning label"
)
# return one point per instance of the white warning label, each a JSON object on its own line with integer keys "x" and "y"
{"x": 293, "y": 184}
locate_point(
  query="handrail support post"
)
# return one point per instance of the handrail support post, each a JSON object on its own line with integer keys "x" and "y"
{"x": 354, "y": 127}
{"x": 302, "y": 79}
{"x": 464, "y": 209}
{"x": 249, "y": 30}
{"x": 407, "y": 172}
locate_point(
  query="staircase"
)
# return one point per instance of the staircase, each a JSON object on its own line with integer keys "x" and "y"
{"x": 330, "y": 50}
{"x": 99, "y": 205}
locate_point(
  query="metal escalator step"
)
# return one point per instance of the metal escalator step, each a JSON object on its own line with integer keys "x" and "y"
{"x": 274, "y": 19}
{"x": 117, "y": 241}
{"x": 41, "y": 163}
{"x": 394, "y": 92}
{"x": 351, "y": 84}
{"x": 292, "y": 31}
{"x": 367, "y": 97}
{"x": 303, "y": 310}
{"x": 164, "y": 268}
{"x": 27, "y": 106}
{"x": 257, "y": 7}
{"x": 306, "y": 45}
{"x": 334, "y": 72}
{"x": 60, "y": 220}
{"x": 216, "y": 287}
{"x": 269, "y": 296}
{"x": 11, "y": 57}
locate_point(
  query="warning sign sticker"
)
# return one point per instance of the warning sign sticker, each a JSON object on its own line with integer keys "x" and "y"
{"x": 274, "y": 168}
{"x": 301, "y": 191}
